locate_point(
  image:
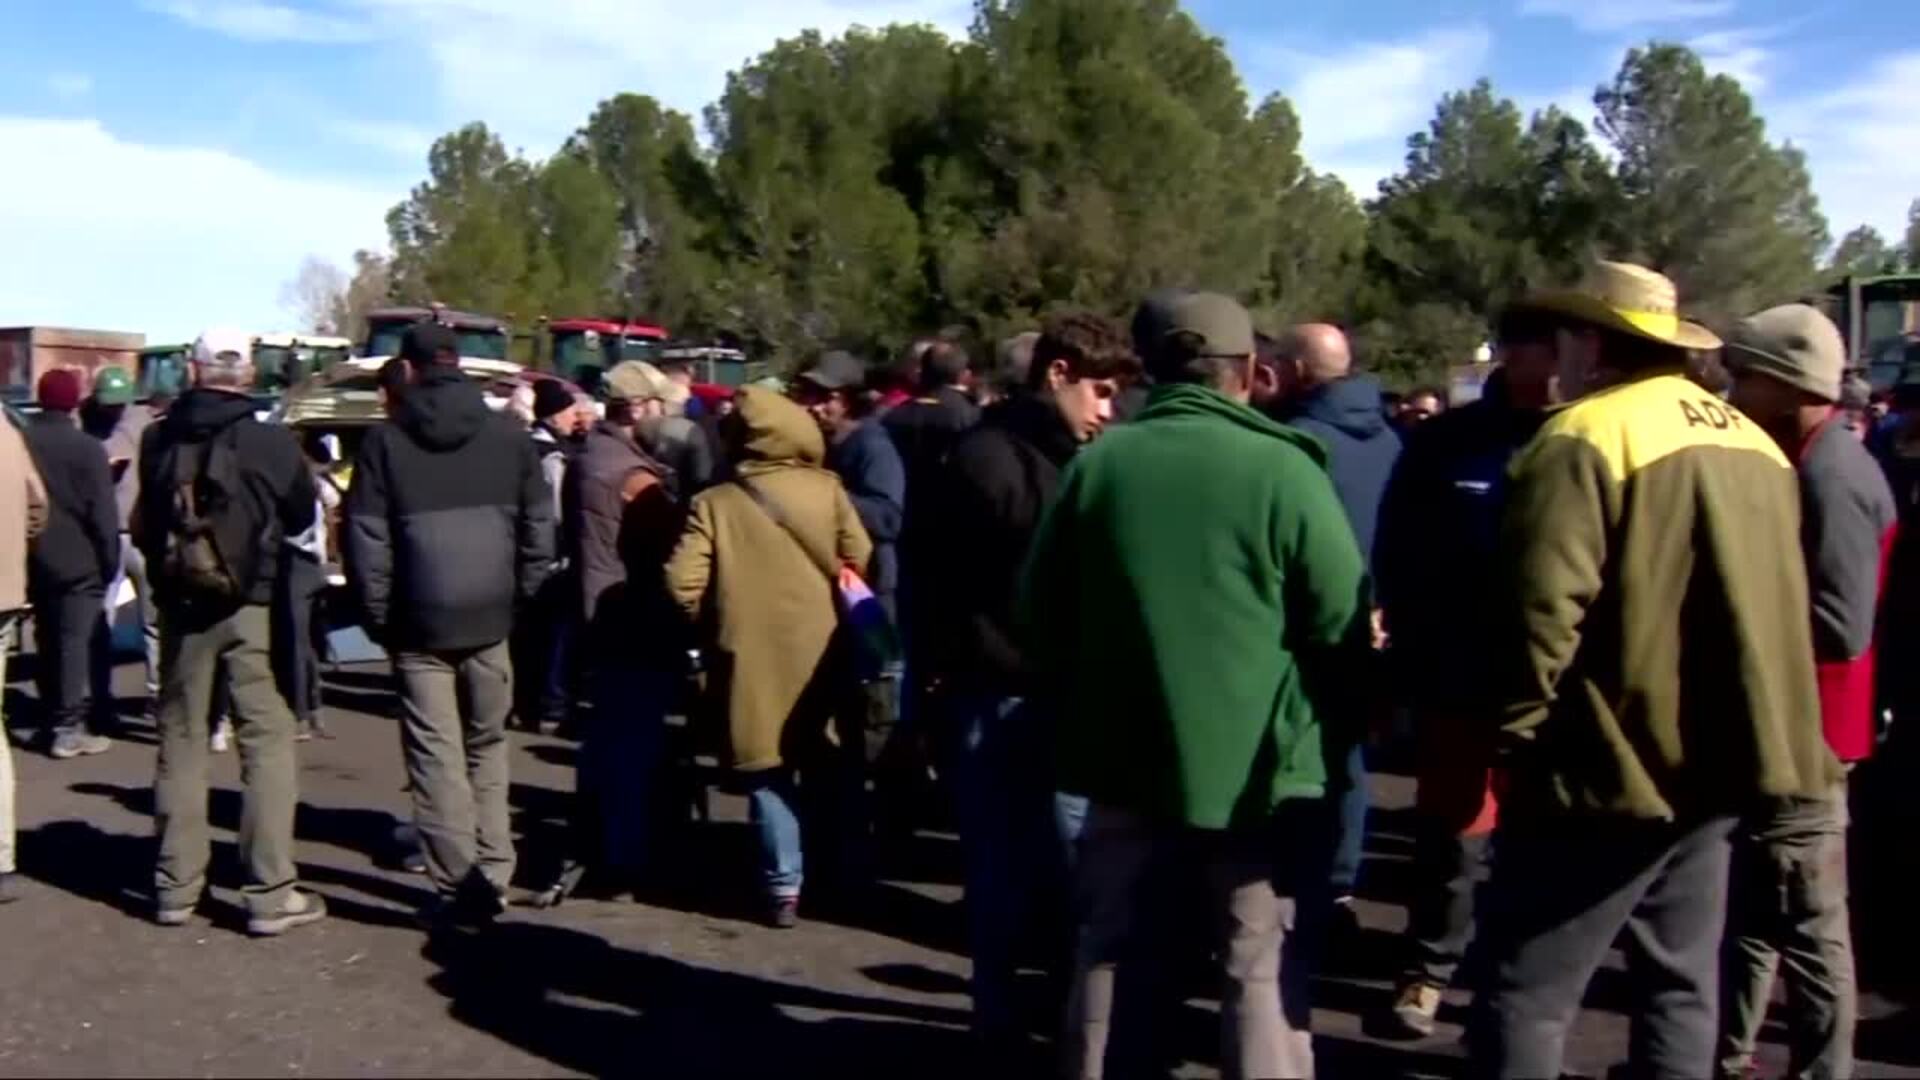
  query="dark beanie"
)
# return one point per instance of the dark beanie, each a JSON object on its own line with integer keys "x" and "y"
{"x": 550, "y": 398}
{"x": 59, "y": 390}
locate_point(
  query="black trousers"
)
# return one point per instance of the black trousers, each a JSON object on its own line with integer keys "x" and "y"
{"x": 63, "y": 620}
{"x": 1448, "y": 868}
{"x": 541, "y": 648}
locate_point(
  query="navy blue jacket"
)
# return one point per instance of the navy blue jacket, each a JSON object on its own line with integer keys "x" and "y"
{"x": 1435, "y": 559}
{"x": 1361, "y": 447}
{"x": 870, "y": 469}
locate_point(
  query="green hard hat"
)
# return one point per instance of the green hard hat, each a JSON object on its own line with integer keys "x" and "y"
{"x": 113, "y": 386}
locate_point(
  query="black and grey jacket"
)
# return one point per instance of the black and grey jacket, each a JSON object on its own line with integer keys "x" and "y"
{"x": 449, "y": 521}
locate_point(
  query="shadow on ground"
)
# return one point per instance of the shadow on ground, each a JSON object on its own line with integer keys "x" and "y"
{"x": 576, "y": 1001}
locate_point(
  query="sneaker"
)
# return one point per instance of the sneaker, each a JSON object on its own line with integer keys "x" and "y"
{"x": 9, "y": 887}
{"x": 1415, "y": 1008}
{"x": 175, "y": 916}
{"x": 485, "y": 901}
{"x": 562, "y": 886}
{"x": 222, "y": 739}
{"x": 784, "y": 912}
{"x": 467, "y": 909}
{"x": 300, "y": 909}
{"x": 1343, "y": 919}
{"x": 73, "y": 744}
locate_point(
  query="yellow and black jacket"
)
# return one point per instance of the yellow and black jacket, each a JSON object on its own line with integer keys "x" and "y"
{"x": 1663, "y": 663}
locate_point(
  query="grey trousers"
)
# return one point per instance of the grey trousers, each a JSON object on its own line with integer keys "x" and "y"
{"x": 1789, "y": 909}
{"x": 1264, "y": 1011}
{"x": 454, "y": 737}
{"x": 193, "y": 654}
{"x": 1561, "y": 892}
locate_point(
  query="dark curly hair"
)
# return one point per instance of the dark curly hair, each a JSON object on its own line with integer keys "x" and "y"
{"x": 1093, "y": 346}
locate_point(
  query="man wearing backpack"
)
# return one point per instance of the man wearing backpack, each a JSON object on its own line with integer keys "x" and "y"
{"x": 449, "y": 528}
{"x": 219, "y": 494}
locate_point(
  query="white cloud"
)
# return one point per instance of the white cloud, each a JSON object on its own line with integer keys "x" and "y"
{"x": 1575, "y": 100}
{"x": 401, "y": 140}
{"x": 70, "y": 85}
{"x": 1859, "y": 138}
{"x": 160, "y": 239}
{"x": 1358, "y": 104}
{"x": 256, "y": 20}
{"x": 1741, "y": 54}
{"x": 534, "y": 71}
{"x": 1608, "y": 16}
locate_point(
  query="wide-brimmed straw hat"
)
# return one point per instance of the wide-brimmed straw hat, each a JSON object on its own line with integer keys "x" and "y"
{"x": 1630, "y": 299}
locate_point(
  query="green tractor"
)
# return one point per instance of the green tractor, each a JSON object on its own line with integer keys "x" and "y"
{"x": 1879, "y": 316}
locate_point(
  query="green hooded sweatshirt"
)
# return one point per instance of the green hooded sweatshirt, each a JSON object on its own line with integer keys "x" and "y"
{"x": 1193, "y": 601}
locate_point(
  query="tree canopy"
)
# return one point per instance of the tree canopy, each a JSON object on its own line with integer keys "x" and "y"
{"x": 863, "y": 189}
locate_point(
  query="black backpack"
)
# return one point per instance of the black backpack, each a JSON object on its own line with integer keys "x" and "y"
{"x": 212, "y": 545}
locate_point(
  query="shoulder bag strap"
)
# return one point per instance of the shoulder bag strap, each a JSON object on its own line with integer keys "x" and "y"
{"x": 779, "y": 517}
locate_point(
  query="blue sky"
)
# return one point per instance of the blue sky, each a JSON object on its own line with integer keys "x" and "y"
{"x": 168, "y": 163}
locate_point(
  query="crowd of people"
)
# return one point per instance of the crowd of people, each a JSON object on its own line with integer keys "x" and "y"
{"x": 1140, "y": 621}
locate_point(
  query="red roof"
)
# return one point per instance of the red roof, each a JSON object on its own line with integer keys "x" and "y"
{"x": 607, "y": 326}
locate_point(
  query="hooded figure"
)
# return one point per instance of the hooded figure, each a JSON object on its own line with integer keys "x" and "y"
{"x": 740, "y": 572}
{"x": 449, "y": 519}
{"x": 1361, "y": 446}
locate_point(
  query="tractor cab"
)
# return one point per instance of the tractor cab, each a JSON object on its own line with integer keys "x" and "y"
{"x": 581, "y": 350}
{"x": 163, "y": 371}
{"x": 712, "y": 364}
{"x": 1879, "y": 316}
{"x": 481, "y": 337}
{"x": 281, "y": 361}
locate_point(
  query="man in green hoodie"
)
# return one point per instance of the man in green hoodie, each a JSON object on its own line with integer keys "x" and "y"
{"x": 1188, "y": 600}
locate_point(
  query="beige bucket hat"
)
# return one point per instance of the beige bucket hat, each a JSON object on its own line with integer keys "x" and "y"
{"x": 1630, "y": 299}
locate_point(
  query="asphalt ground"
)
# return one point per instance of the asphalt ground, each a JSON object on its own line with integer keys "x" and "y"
{"x": 683, "y": 982}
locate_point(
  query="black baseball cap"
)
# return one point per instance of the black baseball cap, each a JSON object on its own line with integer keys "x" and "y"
{"x": 426, "y": 343}
{"x": 836, "y": 370}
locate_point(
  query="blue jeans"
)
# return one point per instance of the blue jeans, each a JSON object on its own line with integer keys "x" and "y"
{"x": 772, "y": 804}
{"x": 1350, "y": 847}
{"x": 620, "y": 761}
{"x": 1015, "y": 832}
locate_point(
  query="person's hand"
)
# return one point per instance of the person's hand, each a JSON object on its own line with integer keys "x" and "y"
{"x": 1378, "y": 624}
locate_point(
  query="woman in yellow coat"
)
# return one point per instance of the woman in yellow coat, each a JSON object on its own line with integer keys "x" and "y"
{"x": 767, "y": 608}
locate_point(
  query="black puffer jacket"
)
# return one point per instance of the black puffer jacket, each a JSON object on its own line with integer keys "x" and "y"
{"x": 998, "y": 481}
{"x": 449, "y": 521}
{"x": 276, "y": 485}
{"x": 81, "y": 543}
